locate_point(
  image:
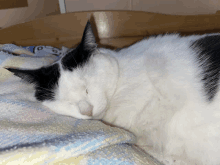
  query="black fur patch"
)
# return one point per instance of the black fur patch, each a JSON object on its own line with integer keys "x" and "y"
{"x": 209, "y": 60}
{"x": 45, "y": 80}
{"x": 75, "y": 58}
{"x": 81, "y": 54}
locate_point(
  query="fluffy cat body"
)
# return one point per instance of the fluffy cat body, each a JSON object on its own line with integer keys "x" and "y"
{"x": 162, "y": 89}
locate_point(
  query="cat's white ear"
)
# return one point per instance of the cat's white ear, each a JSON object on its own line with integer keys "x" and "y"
{"x": 85, "y": 108}
{"x": 88, "y": 40}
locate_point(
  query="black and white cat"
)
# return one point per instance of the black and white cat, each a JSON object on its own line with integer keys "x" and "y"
{"x": 164, "y": 89}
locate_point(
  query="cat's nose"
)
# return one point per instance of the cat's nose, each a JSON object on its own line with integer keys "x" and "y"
{"x": 85, "y": 108}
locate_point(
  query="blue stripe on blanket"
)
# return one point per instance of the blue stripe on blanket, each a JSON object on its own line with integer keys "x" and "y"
{"x": 93, "y": 141}
{"x": 30, "y": 48}
{"x": 3, "y": 58}
{"x": 106, "y": 161}
{"x": 10, "y": 47}
{"x": 42, "y": 50}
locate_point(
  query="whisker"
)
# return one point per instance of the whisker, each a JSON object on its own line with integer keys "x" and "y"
{"x": 45, "y": 89}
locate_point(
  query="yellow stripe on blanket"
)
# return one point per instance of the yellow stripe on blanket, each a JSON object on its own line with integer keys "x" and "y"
{"x": 38, "y": 158}
{"x": 23, "y": 51}
{"x": 71, "y": 161}
{"x": 20, "y": 51}
{"x": 31, "y": 158}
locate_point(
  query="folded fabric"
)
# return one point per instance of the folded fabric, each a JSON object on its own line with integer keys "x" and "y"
{"x": 32, "y": 134}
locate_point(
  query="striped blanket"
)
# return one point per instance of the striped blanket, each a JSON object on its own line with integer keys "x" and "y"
{"x": 31, "y": 134}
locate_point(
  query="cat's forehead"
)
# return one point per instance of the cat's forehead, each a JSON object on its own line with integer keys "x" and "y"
{"x": 75, "y": 76}
{"x": 52, "y": 79}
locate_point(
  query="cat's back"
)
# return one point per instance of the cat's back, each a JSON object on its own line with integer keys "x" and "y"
{"x": 189, "y": 63}
{"x": 169, "y": 89}
{"x": 194, "y": 60}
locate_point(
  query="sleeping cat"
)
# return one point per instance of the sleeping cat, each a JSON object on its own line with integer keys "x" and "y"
{"x": 164, "y": 89}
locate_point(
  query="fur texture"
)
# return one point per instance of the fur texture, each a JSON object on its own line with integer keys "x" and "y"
{"x": 164, "y": 89}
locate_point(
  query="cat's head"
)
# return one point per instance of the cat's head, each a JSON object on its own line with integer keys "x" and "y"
{"x": 80, "y": 84}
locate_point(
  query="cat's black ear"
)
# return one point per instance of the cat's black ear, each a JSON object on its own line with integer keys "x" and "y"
{"x": 44, "y": 79}
{"x": 27, "y": 75}
{"x": 82, "y": 53}
{"x": 88, "y": 41}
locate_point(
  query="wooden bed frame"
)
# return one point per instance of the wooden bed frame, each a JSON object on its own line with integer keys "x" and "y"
{"x": 112, "y": 28}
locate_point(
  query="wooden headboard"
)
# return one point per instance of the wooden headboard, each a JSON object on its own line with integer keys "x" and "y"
{"x": 112, "y": 28}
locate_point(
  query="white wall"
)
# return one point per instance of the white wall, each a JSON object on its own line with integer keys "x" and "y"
{"x": 183, "y": 7}
{"x": 42, "y": 8}
{"x": 35, "y": 9}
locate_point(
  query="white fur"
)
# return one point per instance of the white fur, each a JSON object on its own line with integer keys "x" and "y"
{"x": 152, "y": 89}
